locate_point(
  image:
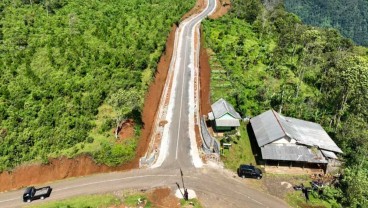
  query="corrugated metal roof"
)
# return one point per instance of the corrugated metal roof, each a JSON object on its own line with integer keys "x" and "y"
{"x": 270, "y": 126}
{"x": 294, "y": 152}
{"x": 222, "y": 107}
{"x": 266, "y": 128}
{"x": 329, "y": 154}
{"x": 309, "y": 133}
{"x": 227, "y": 122}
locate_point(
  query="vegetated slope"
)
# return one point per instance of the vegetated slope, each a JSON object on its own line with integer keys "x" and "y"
{"x": 349, "y": 17}
{"x": 269, "y": 59}
{"x": 61, "y": 60}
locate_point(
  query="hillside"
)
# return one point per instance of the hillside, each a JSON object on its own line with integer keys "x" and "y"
{"x": 264, "y": 57}
{"x": 70, "y": 70}
{"x": 349, "y": 17}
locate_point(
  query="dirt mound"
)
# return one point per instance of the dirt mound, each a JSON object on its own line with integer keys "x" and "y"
{"x": 162, "y": 197}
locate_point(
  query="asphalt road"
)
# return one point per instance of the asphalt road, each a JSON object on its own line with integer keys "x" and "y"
{"x": 214, "y": 186}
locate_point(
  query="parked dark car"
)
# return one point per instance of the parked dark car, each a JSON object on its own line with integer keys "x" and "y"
{"x": 31, "y": 193}
{"x": 249, "y": 171}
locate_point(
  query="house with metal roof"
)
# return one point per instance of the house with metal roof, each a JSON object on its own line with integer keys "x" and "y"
{"x": 224, "y": 116}
{"x": 283, "y": 138}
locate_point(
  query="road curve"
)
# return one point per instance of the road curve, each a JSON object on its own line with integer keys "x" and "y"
{"x": 178, "y": 146}
{"x": 214, "y": 187}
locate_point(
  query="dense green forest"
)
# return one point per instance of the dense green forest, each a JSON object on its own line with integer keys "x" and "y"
{"x": 349, "y": 17}
{"x": 269, "y": 59}
{"x": 69, "y": 69}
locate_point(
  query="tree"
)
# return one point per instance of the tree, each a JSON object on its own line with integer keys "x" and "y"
{"x": 355, "y": 184}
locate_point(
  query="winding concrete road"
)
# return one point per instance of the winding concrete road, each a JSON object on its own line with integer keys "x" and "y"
{"x": 214, "y": 186}
{"x": 178, "y": 146}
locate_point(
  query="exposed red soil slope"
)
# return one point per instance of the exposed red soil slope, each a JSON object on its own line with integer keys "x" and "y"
{"x": 199, "y": 6}
{"x": 223, "y": 6}
{"x": 127, "y": 130}
{"x": 204, "y": 78}
{"x": 63, "y": 167}
{"x": 152, "y": 99}
{"x": 57, "y": 169}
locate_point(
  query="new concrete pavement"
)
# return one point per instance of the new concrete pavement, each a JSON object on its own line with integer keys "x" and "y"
{"x": 178, "y": 147}
{"x": 214, "y": 186}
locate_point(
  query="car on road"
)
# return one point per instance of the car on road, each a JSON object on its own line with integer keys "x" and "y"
{"x": 249, "y": 171}
{"x": 31, "y": 193}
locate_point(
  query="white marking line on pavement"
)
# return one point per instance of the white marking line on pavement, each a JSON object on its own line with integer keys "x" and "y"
{"x": 182, "y": 90}
{"x": 113, "y": 180}
{"x": 98, "y": 182}
{"x": 196, "y": 160}
{"x": 176, "y": 60}
{"x": 9, "y": 200}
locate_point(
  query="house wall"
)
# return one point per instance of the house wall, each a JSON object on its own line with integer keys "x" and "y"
{"x": 333, "y": 166}
{"x": 292, "y": 167}
{"x": 285, "y": 140}
{"x": 224, "y": 128}
{"x": 226, "y": 117}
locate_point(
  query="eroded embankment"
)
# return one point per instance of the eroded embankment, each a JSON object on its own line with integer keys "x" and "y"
{"x": 61, "y": 168}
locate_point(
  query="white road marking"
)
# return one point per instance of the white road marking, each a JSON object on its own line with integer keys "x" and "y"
{"x": 9, "y": 200}
{"x": 181, "y": 98}
{"x": 180, "y": 39}
{"x": 113, "y": 180}
{"x": 99, "y": 182}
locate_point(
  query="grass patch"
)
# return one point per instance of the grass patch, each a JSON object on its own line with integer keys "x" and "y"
{"x": 240, "y": 151}
{"x": 101, "y": 142}
{"x": 190, "y": 203}
{"x": 90, "y": 201}
{"x": 96, "y": 136}
{"x": 125, "y": 199}
{"x": 99, "y": 135}
{"x": 297, "y": 199}
{"x": 132, "y": 200}
{"x": 219, "y": 79}
{"x": 275, "y": 185}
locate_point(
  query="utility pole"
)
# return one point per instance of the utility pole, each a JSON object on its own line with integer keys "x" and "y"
{"x": 182, "y": 179}
{"x": 185, "y": 195}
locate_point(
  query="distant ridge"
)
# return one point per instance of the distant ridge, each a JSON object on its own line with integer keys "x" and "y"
{"x": 349, "y": 17}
